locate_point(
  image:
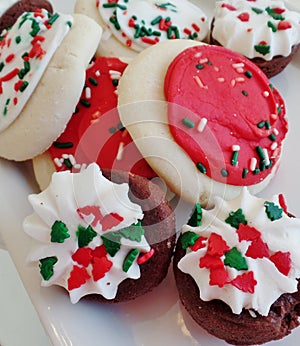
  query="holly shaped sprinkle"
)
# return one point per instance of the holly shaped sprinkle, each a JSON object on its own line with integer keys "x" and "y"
{"x": 85, "y": 235}
{"x": 196, "y": 218}
{"x": 129, "y": 259}
{"x": 47, "y": 267}
{"x": 273, "y": 211}
{"x": 235, "y": 218}
{"x": 133, "y": 232}
{"x": 234, "y": 259}
{"x": 59, "y": 232}
{"x": 112, "y": 242}
{"x": 188, "y": 239}
{"x": 78, "y": 277}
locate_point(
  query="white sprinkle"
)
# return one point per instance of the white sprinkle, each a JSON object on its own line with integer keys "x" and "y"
{"x": 88, "y": 93}
{"x": 274, "y": 116}
{"x": 221, "y": 79}
{"x": 203, "y": 61}
{"x": 114, "y": 72}
{"x": 276, "y": 132}
{"x": 65, "y": 156}
{"x": 72, "y": 160}
{"x": 197, "y": 55}
{"x": 240, "y": 79}
{"x": 252, "y": 313}
{"x": 240, "y": 70}
{"x": 57, "y": 162}
{"x": 115, "y": 76}
{"x": 120, "y": 151}
{"x": 77, "y": 166}
{"x": 266, "y": 93}
{"x": 98, "y": 73}
{"x": 202, "y": 124}
{"x": 199, "y": 82}
{"x": 253, "y": 163}
{"x": 83, "y": 167}
{"x": 116, "y": 92}
{"x": 233, "y": 82}
{"x": 236, "y": 147}
{"x": 267, "y": 159}
{"x": 238, "y": 65}
{"x": 216, "y": 68}
{"x": 274, "y": 145}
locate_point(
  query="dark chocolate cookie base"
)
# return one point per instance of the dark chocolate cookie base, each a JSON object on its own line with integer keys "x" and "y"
{"x": 270, "y": 68}
{"x": 12, "y": 14}
{"x": 159, "y": 226}
{"x": 216, "y": 317}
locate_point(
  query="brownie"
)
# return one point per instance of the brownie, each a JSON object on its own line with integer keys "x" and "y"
{"x": 217, "y": 318}
{"x": 159, "y": 226}
{"x": 12, "y": 14}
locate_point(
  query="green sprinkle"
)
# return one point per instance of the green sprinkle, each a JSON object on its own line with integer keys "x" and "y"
{"x": 35, "y": 28}
{"x": 262, "y": 49}
{"x": 18, "y": 39}
{"x": 53, "y": 18}
{"x": 188, "y": 239}
{"x": 272, "y": 137}
{"x": 129, "y": 259}
{"x": 256, "y": 171}
{"x": 199, "y": 66}
{"x": 133, "y": 232}
{"x": 272, "y": 26}
{"x": 156, "y": 20}
{"x": 1, "y": 66}
{"x": 235, "y": 218}
{"x": 59, "y": 232}
{"x": 63, "y": 145}
{"x": 85, "y": 103}
{"x": 110, "y": 5}
{"x": 244, "y": 92}
{"x": 245, "y": 172}
{"x": 261, "y": 124}
{"x": 85, "y": 235}
{"x": 271, "y": 12}
{"x": 257, "y": 10}
{"x": 115, "y": 82}
{"x": 188, "y": 123}
{"x": 201, "y": 167}
{"x": 69, "y": 23}
{"x": 235, "y": 259}
{"x": 112, "y": 130}
{"x": 23, "y": 86}
{"x": 260, "y": 153}
{"x": 278, "y": 110}
{"x": 268, "y": 125}
{"x": 156, "y": 33}
{"x": 248, "y": 74}
{"x": 224, "y": 172}
{"x": 93, "y": 81}
{"x": 209, "y": 63}
{"x": 112, "y": 242}
{"x": 196, "y": 218}
{"x": 273, "y": 211}
{"x": 114, "y": 21}
{"x": 68, "y": 163}
{"x": 47, "y": 267}
{"x": 234, "y": 159}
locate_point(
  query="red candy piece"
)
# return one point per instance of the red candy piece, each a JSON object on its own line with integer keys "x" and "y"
{"x": 100, "y": 267}
{"x": 284, "y": 25}
{"x": 245, "y": 113}
{"x": 229, "y": 7}
{"x": 282, "y": 261}
{"x": 245, "y": 282}
{"x": 145, "y": 257}
{"x": 78, "y": 277}
{"x": 282, "y": 203}
{"x": 199, "y": 244}
{"x": 216, "y": 245}
{"x": 99, "y": 251}
{"x": 244, "y": 17}
{"x": 218, "y": 277}
{"x": 258, "y": 249}
{"x": 246, "y": 232}
{"x": 95, "y": 132}
{"x": 210, "y": 262}
{"x": 83, "y": 256}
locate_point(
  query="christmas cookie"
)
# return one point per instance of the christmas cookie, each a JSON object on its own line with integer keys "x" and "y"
{"x": 95, "y": 132}
{"x": 237, "y": 269}
{"x": 207, "y": 119}
{"x": 42, "y": 73}
{"x": 262, "y": 30}
{"x": 111, "y": 240}
{"x": 131, "y": 26}
{"x": 10, "y": 10}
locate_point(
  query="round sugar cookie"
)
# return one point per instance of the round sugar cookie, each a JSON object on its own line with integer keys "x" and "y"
{"x": 131, "y": 26}
{"x": 37, "y": 106}
{"x": 199, "y": 90}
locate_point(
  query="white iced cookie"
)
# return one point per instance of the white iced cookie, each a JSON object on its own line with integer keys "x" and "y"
{"x": 131, "y": 26}
{"x": 43, "y": 64}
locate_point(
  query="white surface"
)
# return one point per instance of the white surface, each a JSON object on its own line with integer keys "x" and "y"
{"x": 155, "y": 319}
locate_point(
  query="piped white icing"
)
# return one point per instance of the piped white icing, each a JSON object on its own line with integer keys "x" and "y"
{"x": 282, "y": 236}
{"x": 141, "y": 23}
{"x": 37, "y": 35}
{"x": 244, "y": 26}
{"x": 76, "y": 199}
{"x": 5, "y": 5}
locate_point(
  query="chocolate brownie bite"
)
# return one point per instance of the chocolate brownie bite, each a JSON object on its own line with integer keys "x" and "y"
{"x": 110, "y": 240}
{"x": 235, "y": 275}
{"x": 12, "y": 13}
{"x": 264, "y": 31}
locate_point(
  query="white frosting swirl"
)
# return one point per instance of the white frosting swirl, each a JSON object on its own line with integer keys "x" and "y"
{"x": 76, "y": 199}
{"x": 37, "y": 35}
{"x": 141, "y": 23}
{"x": 243, "y": 26}
{"x": 5, "y": 5}
{"x": 281, "y": 236}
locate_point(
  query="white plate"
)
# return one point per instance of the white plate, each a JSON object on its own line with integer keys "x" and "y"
{"x": 155, "y": 319}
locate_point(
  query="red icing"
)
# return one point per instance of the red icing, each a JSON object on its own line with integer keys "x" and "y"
{"x": 205, "y": 82}
{"x": 96, "y": 131}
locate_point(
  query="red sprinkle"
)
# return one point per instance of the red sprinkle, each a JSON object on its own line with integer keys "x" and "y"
{"x": 100, "y": 267}
{"x": 284, "y": 25}
{"x": 83, "y": 256}
{"x": 195, "y": 27}
{"x": 282, "y": 261}
{"x": 145, "y": 257}
{"x": 245, "y": 282}
{"x": 246, "y": 232}
{"x": 199, "y": 244}
{"x": 229, "y": 7}
{"x": 218, "y": 277}
{"x": 282, "y": 203}
{"x": 10, "y": 58}
{"x": 210, "y": 262}
{"x": 244, "y": 17}
{"x": 78, "y": 277}
{"x": 216, "y": 245}
{"x": 258, "y": 249}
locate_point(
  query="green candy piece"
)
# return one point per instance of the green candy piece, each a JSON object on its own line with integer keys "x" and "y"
{"x": 59, "y": 232}
{"x": 196, "y": 218}
{"x": 131, "y": 256}
{"x": 85, "y": 235}
{"x": 234, "y": 259}
{"x": 273, "y": 211}
{"x": 46, "y": 267}
{"x": 235, "y": 218}
{"x": 112, "y": 242}
{"x": 188, "y": 239}
{"x": 271, "y": 12}
{"x": 133, "y": 232}
{"x": 262, "y": 49}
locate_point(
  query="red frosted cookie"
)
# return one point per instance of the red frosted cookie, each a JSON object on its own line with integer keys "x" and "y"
{"x": 214, "y": 123}
{"x": 95, "y": 132}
